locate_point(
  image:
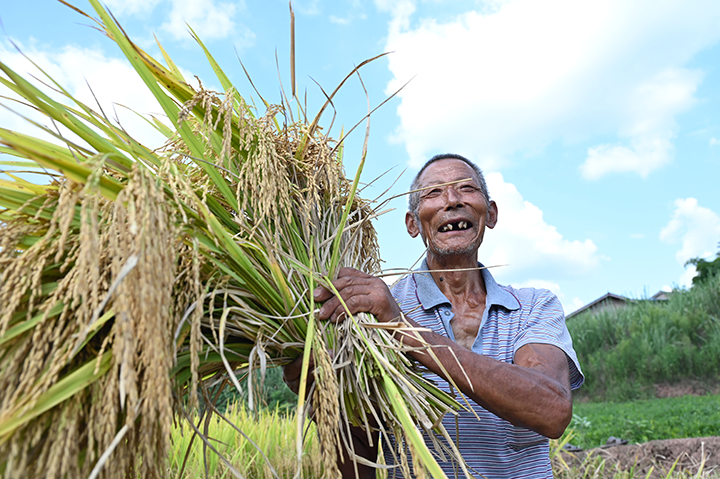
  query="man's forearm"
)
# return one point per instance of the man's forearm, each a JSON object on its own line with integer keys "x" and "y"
{"x": 525, "y": 394}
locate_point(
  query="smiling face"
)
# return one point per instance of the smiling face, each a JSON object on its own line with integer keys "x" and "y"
{"x": 451, "y": 219}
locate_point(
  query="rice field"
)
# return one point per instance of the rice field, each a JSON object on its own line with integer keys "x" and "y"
{"x": 265, "y": 448}
{"x": 273, "y": 431}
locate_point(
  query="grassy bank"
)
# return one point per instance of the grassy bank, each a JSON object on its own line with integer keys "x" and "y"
{"x": 624, "y": 352}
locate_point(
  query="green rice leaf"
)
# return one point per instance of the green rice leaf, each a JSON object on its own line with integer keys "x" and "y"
{"x": 171, "y": 65}
{"x": 18, "y": 329}
{"x": 224, "y": 80}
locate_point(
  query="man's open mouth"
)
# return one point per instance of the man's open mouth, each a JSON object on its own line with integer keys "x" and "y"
{"x": 458, "y": 226}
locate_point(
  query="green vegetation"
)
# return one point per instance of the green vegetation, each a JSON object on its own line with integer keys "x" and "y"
{"x": 645, "y": 420}
{"x": 273, "y": 394}
{"x": 272, "y": 431}
{"x": 625, "y": 352}
{"x": 705, "y": 269}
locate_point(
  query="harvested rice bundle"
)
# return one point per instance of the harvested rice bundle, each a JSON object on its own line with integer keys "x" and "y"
{"x": 136, "y": 278}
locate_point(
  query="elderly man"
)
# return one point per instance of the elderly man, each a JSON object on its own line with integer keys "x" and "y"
{"x": 518, "y": 364}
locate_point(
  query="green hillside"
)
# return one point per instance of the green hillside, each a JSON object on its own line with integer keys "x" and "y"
{"x": 624, "y": 352}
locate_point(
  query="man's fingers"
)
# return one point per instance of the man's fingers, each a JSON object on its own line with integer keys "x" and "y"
{"x": 356, "y": 303}
{"x": 333, "y": 306}
{"x": 322, "y": 294}
{"x": 360, "y": 292}
{"x": 352, "y": 272}
{"x": 356, "y": 279}
{"x": 334, "y": 311}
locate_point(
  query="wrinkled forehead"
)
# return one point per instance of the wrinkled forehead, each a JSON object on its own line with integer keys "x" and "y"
{"x": 445, "y": 171}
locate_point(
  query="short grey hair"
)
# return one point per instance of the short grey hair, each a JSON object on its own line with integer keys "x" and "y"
{"x": 414, "y": 198}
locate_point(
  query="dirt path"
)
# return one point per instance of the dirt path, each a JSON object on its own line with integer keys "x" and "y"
{"x": 693, "y": 387}
{"x": 692, "y": 453}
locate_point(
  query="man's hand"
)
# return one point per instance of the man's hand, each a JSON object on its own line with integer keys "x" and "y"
{"x": 291, "y": 374}
{"x": 361, "y": 293}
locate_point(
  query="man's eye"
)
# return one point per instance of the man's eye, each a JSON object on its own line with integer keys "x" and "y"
{"x": 469, "y": 189}
{"x": 434, "y": 193}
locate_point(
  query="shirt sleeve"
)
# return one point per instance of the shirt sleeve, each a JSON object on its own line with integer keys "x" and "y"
{"x": 544, "y": 323}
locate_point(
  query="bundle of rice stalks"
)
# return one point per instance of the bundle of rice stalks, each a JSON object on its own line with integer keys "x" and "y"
{"x": 134, "y": 279}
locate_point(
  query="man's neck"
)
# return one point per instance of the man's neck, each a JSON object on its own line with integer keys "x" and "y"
{"x": 454, "y": 283}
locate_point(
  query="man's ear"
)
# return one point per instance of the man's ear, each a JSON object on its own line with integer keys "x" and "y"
{"x": 492, "y": 216}
{"x": 411, "y": 225}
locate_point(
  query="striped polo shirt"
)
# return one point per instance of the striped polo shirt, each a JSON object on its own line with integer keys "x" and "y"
{"x": 492, "y": 447}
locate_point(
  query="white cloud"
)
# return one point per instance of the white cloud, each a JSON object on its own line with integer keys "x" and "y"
{"x": 523, "y": 74}
{"x": 650, "y": 125}
{"x": 569, "y": 305}
{"x": 113, "y": 81}
{"x": 645, "y": 155}
{"x": 573, "y": 305}
{"x": 355, "y": 13}
{"x": 527, "y": 244}
{"x": 539, "y": 283}
{"x": 687, "y": 276}
{"x": 400, "y": 11}
{"x": 211, "y": 20}
{"x": 697, "y": 229}
{"x": 131, "y": 7}
{"x": 714, "y": 141}
{"x": 339, "y": 20}
{"x": 307, "y": 7}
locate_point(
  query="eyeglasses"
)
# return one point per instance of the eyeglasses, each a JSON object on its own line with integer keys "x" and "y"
{"x": 461, "y": 189}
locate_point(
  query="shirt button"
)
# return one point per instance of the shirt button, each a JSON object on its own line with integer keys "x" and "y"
{"x": 447, "y": 313}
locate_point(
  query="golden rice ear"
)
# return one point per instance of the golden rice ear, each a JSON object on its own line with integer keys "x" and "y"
{"x": 327, "y": 409}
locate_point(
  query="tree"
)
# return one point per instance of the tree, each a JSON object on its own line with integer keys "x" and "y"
{"x": 705, "y": 269}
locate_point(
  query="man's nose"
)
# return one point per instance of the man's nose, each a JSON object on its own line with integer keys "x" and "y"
{"x": 452, "y": 197}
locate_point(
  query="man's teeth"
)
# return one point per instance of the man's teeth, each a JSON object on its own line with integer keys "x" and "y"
{"x": 461, "y": 225}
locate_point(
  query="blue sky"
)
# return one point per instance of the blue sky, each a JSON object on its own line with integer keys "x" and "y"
{"x": 597, "y": 123}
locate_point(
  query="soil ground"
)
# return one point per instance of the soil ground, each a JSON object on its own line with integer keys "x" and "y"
{"x": 685, "y": 387}
{"x": 691, "y": 454}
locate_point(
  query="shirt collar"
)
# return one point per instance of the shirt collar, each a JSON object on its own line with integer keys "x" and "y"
{"x": 430, "y": 295}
